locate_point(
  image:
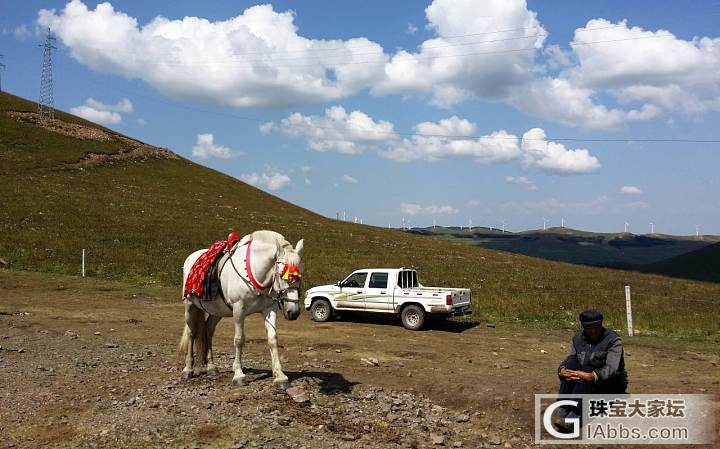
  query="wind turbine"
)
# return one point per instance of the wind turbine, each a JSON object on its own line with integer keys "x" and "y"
{"x": 626, "y": 227}
{"x": 697, "y": 232}
{"x": 503, "y": 226}
{"x": 470, "y": 224}
{"x": 562, "y": 222}
{"x": 545, "y": 222}
{"x": 652, "y": 228}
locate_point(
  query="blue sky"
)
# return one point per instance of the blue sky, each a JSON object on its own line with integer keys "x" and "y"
{"x": 451, "y": 110}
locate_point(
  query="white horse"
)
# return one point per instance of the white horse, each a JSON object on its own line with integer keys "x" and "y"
{"x": 254, "y": 279}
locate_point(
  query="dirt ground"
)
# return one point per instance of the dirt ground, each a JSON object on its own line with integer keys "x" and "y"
{"x": 90, "y": 363}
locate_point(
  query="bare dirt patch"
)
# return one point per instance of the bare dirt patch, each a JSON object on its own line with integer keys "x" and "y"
{"x": 61, "y": 127}
{"x": 132, "y": 149}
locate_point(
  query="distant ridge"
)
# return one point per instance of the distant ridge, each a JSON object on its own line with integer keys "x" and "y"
{"x": 614, "y": 250}
{"x": 702, "y": 265}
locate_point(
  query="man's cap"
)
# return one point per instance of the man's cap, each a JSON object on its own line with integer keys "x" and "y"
{"x": 590, "y": 317}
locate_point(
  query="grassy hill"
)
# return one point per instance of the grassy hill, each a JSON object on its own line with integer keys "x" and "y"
{"x": 616, "y": 250}
{"x": 139, "y": 210}
{"x": 702, "y": 264}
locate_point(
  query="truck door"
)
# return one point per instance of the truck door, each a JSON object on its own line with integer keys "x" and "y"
{"x": 352, "y": 295}
{"x": 377, "y": 295}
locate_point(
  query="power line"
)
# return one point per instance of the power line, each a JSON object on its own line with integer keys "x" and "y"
{"x": 46, "y": 103}
{"x": 458, "y": 44}
{"x": 414, "y": 57}
{"x": 373, "y": 45}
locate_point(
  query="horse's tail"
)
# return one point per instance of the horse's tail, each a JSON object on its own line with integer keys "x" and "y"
{"x": 184, "y": 342}
{"x": 200, "y": 340}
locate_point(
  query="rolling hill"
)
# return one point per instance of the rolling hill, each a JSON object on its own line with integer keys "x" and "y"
{"x": 138, "y": 210}
{"x": 614, "y": 250}
{"x": 702, "y": 265}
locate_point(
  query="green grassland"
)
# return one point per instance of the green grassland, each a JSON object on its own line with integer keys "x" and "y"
{"x": 140, "y": 217}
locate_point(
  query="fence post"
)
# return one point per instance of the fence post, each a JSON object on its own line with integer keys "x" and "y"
{"x": 628, "y": 307}
{"x": 83, "y": 262}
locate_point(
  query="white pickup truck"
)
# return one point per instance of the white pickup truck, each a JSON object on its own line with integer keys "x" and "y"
{"x": 387, "y": 290}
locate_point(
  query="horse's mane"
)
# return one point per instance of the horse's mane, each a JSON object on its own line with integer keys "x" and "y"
{"x": 286, "y": 251}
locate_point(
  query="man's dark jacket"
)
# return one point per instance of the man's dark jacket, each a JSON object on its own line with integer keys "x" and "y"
{"x": 605, "y": 358}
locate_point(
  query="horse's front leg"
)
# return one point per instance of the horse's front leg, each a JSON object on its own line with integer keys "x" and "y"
{"x": 239, "y": 340}
{"x": 210, "y": 325}
{"x": 280, "y": 379}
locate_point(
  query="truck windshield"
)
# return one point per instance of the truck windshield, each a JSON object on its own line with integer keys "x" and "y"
{"x": 408, "y": 279}
{"x": 355, "y": 280}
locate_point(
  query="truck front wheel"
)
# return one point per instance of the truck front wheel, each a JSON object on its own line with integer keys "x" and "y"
{"x": 321, "y": 310}
{"x": 413, "y": 317}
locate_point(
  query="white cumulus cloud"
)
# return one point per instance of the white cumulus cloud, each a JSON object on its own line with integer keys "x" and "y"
{"x": 483, "y": 64}
{"x": 415, "y": 209}
{"x": 349, "y": 179}
{"x": 630, "y": 190}
{"x": 519, "y": 180}
{"x": 554, "y": 157}
{"x": 337, "y": 130}
{"x": 206, "y": 148}
{"x": 105, "y": 114}
{"x": 256, "y": 58}
{"x": 522, "y": 181}
{"x": 453, "y": 137}
{"x": 272, "y": 181}
{"x": 651, "y": 68}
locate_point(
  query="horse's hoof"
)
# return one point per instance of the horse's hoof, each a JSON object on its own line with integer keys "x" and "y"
{"x": 239, "y": 381}
{"x": 213, "y": 372}
{"x": 187, "y": 375}
{"x": 282, "y": 385}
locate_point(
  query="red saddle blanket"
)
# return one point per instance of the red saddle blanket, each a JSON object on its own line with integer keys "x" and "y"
{"x": 195, "y": 282}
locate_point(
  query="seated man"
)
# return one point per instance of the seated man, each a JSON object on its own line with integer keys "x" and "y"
{"x": 596, "y": 364}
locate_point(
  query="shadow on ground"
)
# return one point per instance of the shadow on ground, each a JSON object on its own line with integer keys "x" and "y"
{"x": 433, "y": 323}
{"x": 328, "y": 383}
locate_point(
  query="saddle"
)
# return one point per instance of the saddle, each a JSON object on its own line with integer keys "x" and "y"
{"x": 211, "y": 285}
{"x": 204, "y": 278}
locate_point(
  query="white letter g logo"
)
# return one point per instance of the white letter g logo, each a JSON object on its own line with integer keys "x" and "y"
{"x": 574, "y": 421}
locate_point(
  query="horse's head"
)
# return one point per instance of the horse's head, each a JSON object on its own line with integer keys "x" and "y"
{"x": 288, "y": 281}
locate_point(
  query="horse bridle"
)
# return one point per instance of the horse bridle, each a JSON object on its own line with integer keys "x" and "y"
{"x": 280, "y": 296}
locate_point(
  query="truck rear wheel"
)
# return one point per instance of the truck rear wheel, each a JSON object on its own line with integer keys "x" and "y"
{"x": 321, "y": 310}
{"x": 413, "y": 317}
